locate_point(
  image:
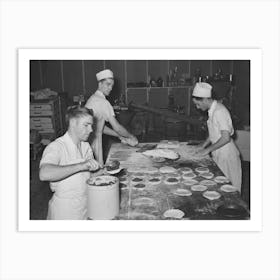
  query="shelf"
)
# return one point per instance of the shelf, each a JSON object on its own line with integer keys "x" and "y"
{"x": 159, "y": 87}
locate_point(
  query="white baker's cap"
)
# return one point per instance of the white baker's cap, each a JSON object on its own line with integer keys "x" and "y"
{"x": 202, "y": 90}
{"x": 104, "y": 74}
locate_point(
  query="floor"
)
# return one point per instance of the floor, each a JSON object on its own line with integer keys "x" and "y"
{"x": 40, "y": 192}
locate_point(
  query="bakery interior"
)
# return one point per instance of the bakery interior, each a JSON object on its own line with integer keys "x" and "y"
{"x": 151, "y": 98}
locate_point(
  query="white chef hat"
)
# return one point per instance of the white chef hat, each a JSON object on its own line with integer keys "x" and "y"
{"x": 104, "y": 74}
{"x": 202, "y": 90}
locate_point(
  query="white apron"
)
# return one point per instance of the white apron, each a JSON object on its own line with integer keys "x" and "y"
{"x": 69, "y": 201}
{"x": 103, "y": 111}
{"x": 227, "y": 157}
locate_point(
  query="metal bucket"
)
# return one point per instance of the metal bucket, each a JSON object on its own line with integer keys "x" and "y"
{"x": 103, "y": 198}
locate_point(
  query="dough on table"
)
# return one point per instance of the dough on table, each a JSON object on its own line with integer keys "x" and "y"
{"x": 174, "y": 175}
{"x": 171, "y": 181}
{"x": 167, "y": 169}
{"x": 182, "y": 192}
{"x": 186, "y": 170}
{"x": 211, "y": 195}
{"x": 207, "y": 175}
{"x": 139, "y": 186}
{"x": 155, "y": 180}
{"x": 158, "y": 159}
{"x": 165, "y": 144}
{"x": 188, "y": 176}
{"x": 190, "y": 182}
{"x": 221, "y": 179}
{"x": 137, "y": 180}
{"x": 202, "y": 169}
{"x": 228, "y": 188}
{"x": 198, "y": 188}
{"x": 208, "y": 183}
{"x": 163, "y": 153}
{"x": 174, "y": 213}
{"x": 140, "y": 201}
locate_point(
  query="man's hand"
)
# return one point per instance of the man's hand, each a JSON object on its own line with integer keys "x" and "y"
{"x": 131, "y": 141}
{"x": 202, "y": 152}
{"x": 90, "y": 165}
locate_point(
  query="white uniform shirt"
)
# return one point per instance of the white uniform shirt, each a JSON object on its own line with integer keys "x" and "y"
{"x": 70, "y": 194}
{"x": 101, "y": 107}
{"x": 227, "y": 156}
{"x": 219, "y": 119}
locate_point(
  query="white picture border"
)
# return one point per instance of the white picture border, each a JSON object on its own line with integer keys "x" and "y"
{"x": 254, "y": 55}
{"x": 140, "y": 255}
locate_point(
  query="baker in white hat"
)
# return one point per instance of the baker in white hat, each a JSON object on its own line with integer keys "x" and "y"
{"x": 219, "y": 142}
{"x": 104, "y": 112}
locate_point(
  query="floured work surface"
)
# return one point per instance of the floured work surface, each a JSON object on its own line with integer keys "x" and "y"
{"x": 143, "y": 197}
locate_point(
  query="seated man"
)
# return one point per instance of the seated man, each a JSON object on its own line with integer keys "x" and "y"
{"x": 66, "y": 163}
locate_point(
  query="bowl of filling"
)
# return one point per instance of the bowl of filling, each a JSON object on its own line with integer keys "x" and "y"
{"x": 113, "y": 167}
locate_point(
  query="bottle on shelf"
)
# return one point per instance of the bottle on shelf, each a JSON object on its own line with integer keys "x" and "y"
{"x": 197, "y": 76}
{"x": 159, "y": 82}
{"x": 171, "y": 101}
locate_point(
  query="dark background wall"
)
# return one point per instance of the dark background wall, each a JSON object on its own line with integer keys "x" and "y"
{"x": 78, "y": 77}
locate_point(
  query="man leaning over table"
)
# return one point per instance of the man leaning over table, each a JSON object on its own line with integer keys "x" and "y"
{"x": 104, "y": 112}
{"x": 66, "y": 163}
{"x": 219, "y": 142}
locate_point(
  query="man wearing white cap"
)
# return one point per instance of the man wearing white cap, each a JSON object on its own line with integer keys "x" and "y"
{"x": 219, "y": 142}
{"x": 104, "y": 112}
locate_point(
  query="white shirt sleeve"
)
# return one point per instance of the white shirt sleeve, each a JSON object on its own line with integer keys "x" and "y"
{"x": 108, "y": 111}
{"x": 223, "y": 121}
{"x": 52, "y": 154}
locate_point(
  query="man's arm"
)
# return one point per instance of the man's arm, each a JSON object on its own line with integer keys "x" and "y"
{"x": 223, "y": 140}
{"x": 97, "y": 141}
{"x": 118, "y": 128}
{"x": 53, "y": 172}
{"x": 206, "y": 143}
{"x": 108, "y": 131}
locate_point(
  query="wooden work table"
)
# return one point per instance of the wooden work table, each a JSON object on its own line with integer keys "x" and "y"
{"x": 152, "y": 201}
